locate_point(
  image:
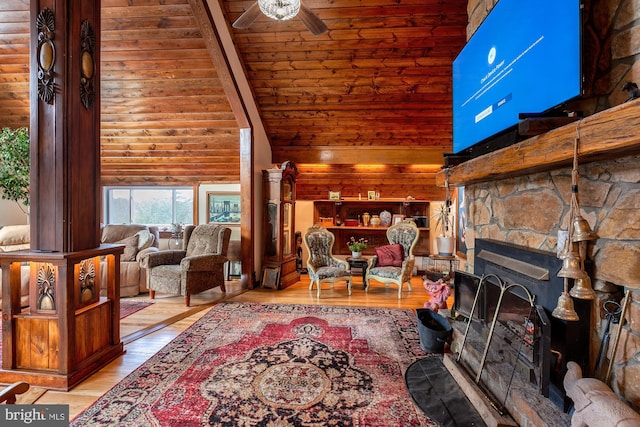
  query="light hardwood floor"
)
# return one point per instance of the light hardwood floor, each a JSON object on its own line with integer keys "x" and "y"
{"x": 147, "y": 331}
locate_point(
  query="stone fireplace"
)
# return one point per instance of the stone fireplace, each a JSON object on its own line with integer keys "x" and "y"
{"x": 527, "y": 340}
{"x": 529, "y": 210}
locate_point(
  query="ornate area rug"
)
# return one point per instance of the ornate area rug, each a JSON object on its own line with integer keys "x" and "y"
{"x": 128, "y": 307}
{"x": 248, "y": 364}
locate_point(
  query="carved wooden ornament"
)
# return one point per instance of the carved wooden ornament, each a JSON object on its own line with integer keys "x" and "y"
{"x": 46, "y": 286}
{"x": 46, "y": 54}
{"x": 87, "y": 64}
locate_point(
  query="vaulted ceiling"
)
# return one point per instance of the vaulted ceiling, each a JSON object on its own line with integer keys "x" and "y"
{"x": 374, "y": 89}
{"x": 378, "y": 78}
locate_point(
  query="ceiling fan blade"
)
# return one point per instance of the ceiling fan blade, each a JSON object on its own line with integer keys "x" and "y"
{"x": 311, "y": 21}
{"x": 246, "y": 19}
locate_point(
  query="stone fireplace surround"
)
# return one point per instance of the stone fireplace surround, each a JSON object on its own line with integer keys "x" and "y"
{"x": 525, "y": 200}
{"x": 528, "y": 205}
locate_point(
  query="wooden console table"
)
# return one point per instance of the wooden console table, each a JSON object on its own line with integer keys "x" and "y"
{"x": 68, "y": 331}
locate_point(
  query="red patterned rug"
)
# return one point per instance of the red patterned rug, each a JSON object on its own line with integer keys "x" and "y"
{"x": 128, "y": 307}
{"x": 274, "y": 365}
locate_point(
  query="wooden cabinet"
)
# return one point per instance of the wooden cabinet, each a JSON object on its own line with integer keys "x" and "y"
{"x": 280, "y": 239}
{"x": 344, "y": 219}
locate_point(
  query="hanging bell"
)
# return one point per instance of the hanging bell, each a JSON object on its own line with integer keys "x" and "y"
{"x": 582, "y": 289}
{"x": 582, "y": 230}
{"x": 571, "y": 267}
{"x": 565, "y": 310}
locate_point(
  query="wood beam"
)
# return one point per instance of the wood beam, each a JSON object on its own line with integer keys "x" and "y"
{"x": 211, "y": 32}
{"x": 361, "y": 155}
{"x": 606, "y": 135}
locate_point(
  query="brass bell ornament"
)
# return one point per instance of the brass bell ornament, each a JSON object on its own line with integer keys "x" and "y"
{"x": 582, "y": 289}
{"x": 565, "y": 309}
{"x": 571, "y": 267}
{"x": 582, "y": 230}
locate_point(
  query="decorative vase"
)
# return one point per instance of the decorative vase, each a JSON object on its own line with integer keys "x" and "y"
{"x": 375, "y": 221}
{"x": 365, "y": 219}
{"x": 385, "y": 218}
{"x": 356, "y": 254}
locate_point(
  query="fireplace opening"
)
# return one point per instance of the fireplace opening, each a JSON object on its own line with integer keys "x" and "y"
{"x": 535, "y": 343}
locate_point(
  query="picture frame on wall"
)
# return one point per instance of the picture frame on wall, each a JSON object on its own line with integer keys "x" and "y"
{"x": 223, "y": 208}
{"x": 334, "y": 195}
{"x": 371, "y": 195}
{"x": 397, "y": 218}
{"x": 270, "y": 277}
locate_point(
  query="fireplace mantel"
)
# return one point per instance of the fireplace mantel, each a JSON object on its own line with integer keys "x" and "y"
{"x": 609, "y": 134}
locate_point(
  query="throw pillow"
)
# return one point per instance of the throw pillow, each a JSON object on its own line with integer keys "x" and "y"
{"x": 130, "y": 248}
{"x": 390, "y": 255}
{"x": 145, "y": 239}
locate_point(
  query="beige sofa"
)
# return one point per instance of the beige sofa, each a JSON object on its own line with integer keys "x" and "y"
{"x": 138, "y": 240}
{"x": 16, "y": 238}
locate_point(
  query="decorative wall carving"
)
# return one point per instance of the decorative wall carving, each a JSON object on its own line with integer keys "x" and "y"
{"x": 46, "y": 286}
{"x": 87, "y": 64}
{"x": 46, "y": 54}
{"x": 87, "y": 279}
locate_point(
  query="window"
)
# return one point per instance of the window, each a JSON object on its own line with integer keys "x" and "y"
{"x": 161, "y": 206}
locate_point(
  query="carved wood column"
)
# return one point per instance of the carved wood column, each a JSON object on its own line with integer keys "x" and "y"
{"x": 69, "y": 330}
{"x": 65, "y": 125}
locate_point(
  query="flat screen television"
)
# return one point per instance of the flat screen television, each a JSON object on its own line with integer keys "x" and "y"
{"x": 525, "y": 58}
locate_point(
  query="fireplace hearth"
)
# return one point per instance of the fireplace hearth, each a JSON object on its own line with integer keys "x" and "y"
{"x": 527, "y": 341}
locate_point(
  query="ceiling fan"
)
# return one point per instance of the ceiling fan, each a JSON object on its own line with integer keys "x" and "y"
{"x": 281, "y": 10}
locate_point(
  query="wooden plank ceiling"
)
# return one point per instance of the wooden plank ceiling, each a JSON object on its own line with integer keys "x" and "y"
{"x": 379, "y": 78}
{"x": 165, "y": 115}
{"x": 375, "y": 89}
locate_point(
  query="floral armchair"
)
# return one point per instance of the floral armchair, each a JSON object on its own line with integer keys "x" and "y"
{"x": 199, "y": 266}
{"x": 404, "y": 235}
{"x": 322, "y": 266}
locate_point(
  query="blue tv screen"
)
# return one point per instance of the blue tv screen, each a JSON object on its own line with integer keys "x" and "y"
{"x": 524, "y": 58}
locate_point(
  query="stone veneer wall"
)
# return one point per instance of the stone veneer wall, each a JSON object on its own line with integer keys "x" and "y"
{"x": 530, "y": 210}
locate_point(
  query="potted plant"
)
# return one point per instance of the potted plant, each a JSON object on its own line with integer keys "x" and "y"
{"x": 14, "y": 166}
{"x": 357, "y": 246}
{"x": 444, "y": 221}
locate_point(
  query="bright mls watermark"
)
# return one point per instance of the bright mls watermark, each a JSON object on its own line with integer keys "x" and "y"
{"x": 34, "y": 415}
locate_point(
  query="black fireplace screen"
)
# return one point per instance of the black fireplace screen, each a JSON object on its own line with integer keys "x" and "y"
{"x": 544, "y": 341}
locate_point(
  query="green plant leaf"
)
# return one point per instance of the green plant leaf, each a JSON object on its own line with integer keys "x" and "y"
{"x": 15, "y": 165}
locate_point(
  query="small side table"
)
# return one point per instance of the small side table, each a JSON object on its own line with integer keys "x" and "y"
{"x": 441, "y": 267}
{"x": 359, "y": 263}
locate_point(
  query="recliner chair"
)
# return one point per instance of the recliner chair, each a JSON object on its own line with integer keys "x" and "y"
{"x": 199, "y": 266}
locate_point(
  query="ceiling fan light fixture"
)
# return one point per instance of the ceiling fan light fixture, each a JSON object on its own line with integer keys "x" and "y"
{"x": 280, "y": 10}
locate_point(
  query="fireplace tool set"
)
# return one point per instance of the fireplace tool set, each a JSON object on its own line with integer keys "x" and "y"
{"x": 526, "y": 335}
{"x": 579, "y": 234}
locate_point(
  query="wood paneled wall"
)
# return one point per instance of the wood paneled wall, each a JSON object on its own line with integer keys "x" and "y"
{"x": 391, "y": 181}
{"x": 379, "y": 78}
{"x": 14, "y": 63}
{"x": 165, "y": 117}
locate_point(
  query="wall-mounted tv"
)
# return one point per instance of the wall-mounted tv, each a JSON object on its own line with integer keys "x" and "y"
{"x": 525, "y": 58}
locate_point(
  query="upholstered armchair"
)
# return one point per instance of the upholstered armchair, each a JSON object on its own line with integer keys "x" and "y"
{"x": 199, "y": 266}
{"x": 394, "y": 263}
{"x": 322, "y": 266}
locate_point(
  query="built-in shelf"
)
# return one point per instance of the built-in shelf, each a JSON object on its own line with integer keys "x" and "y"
{"x": 609, "y": 134}
{"x": 329, "y": 212}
